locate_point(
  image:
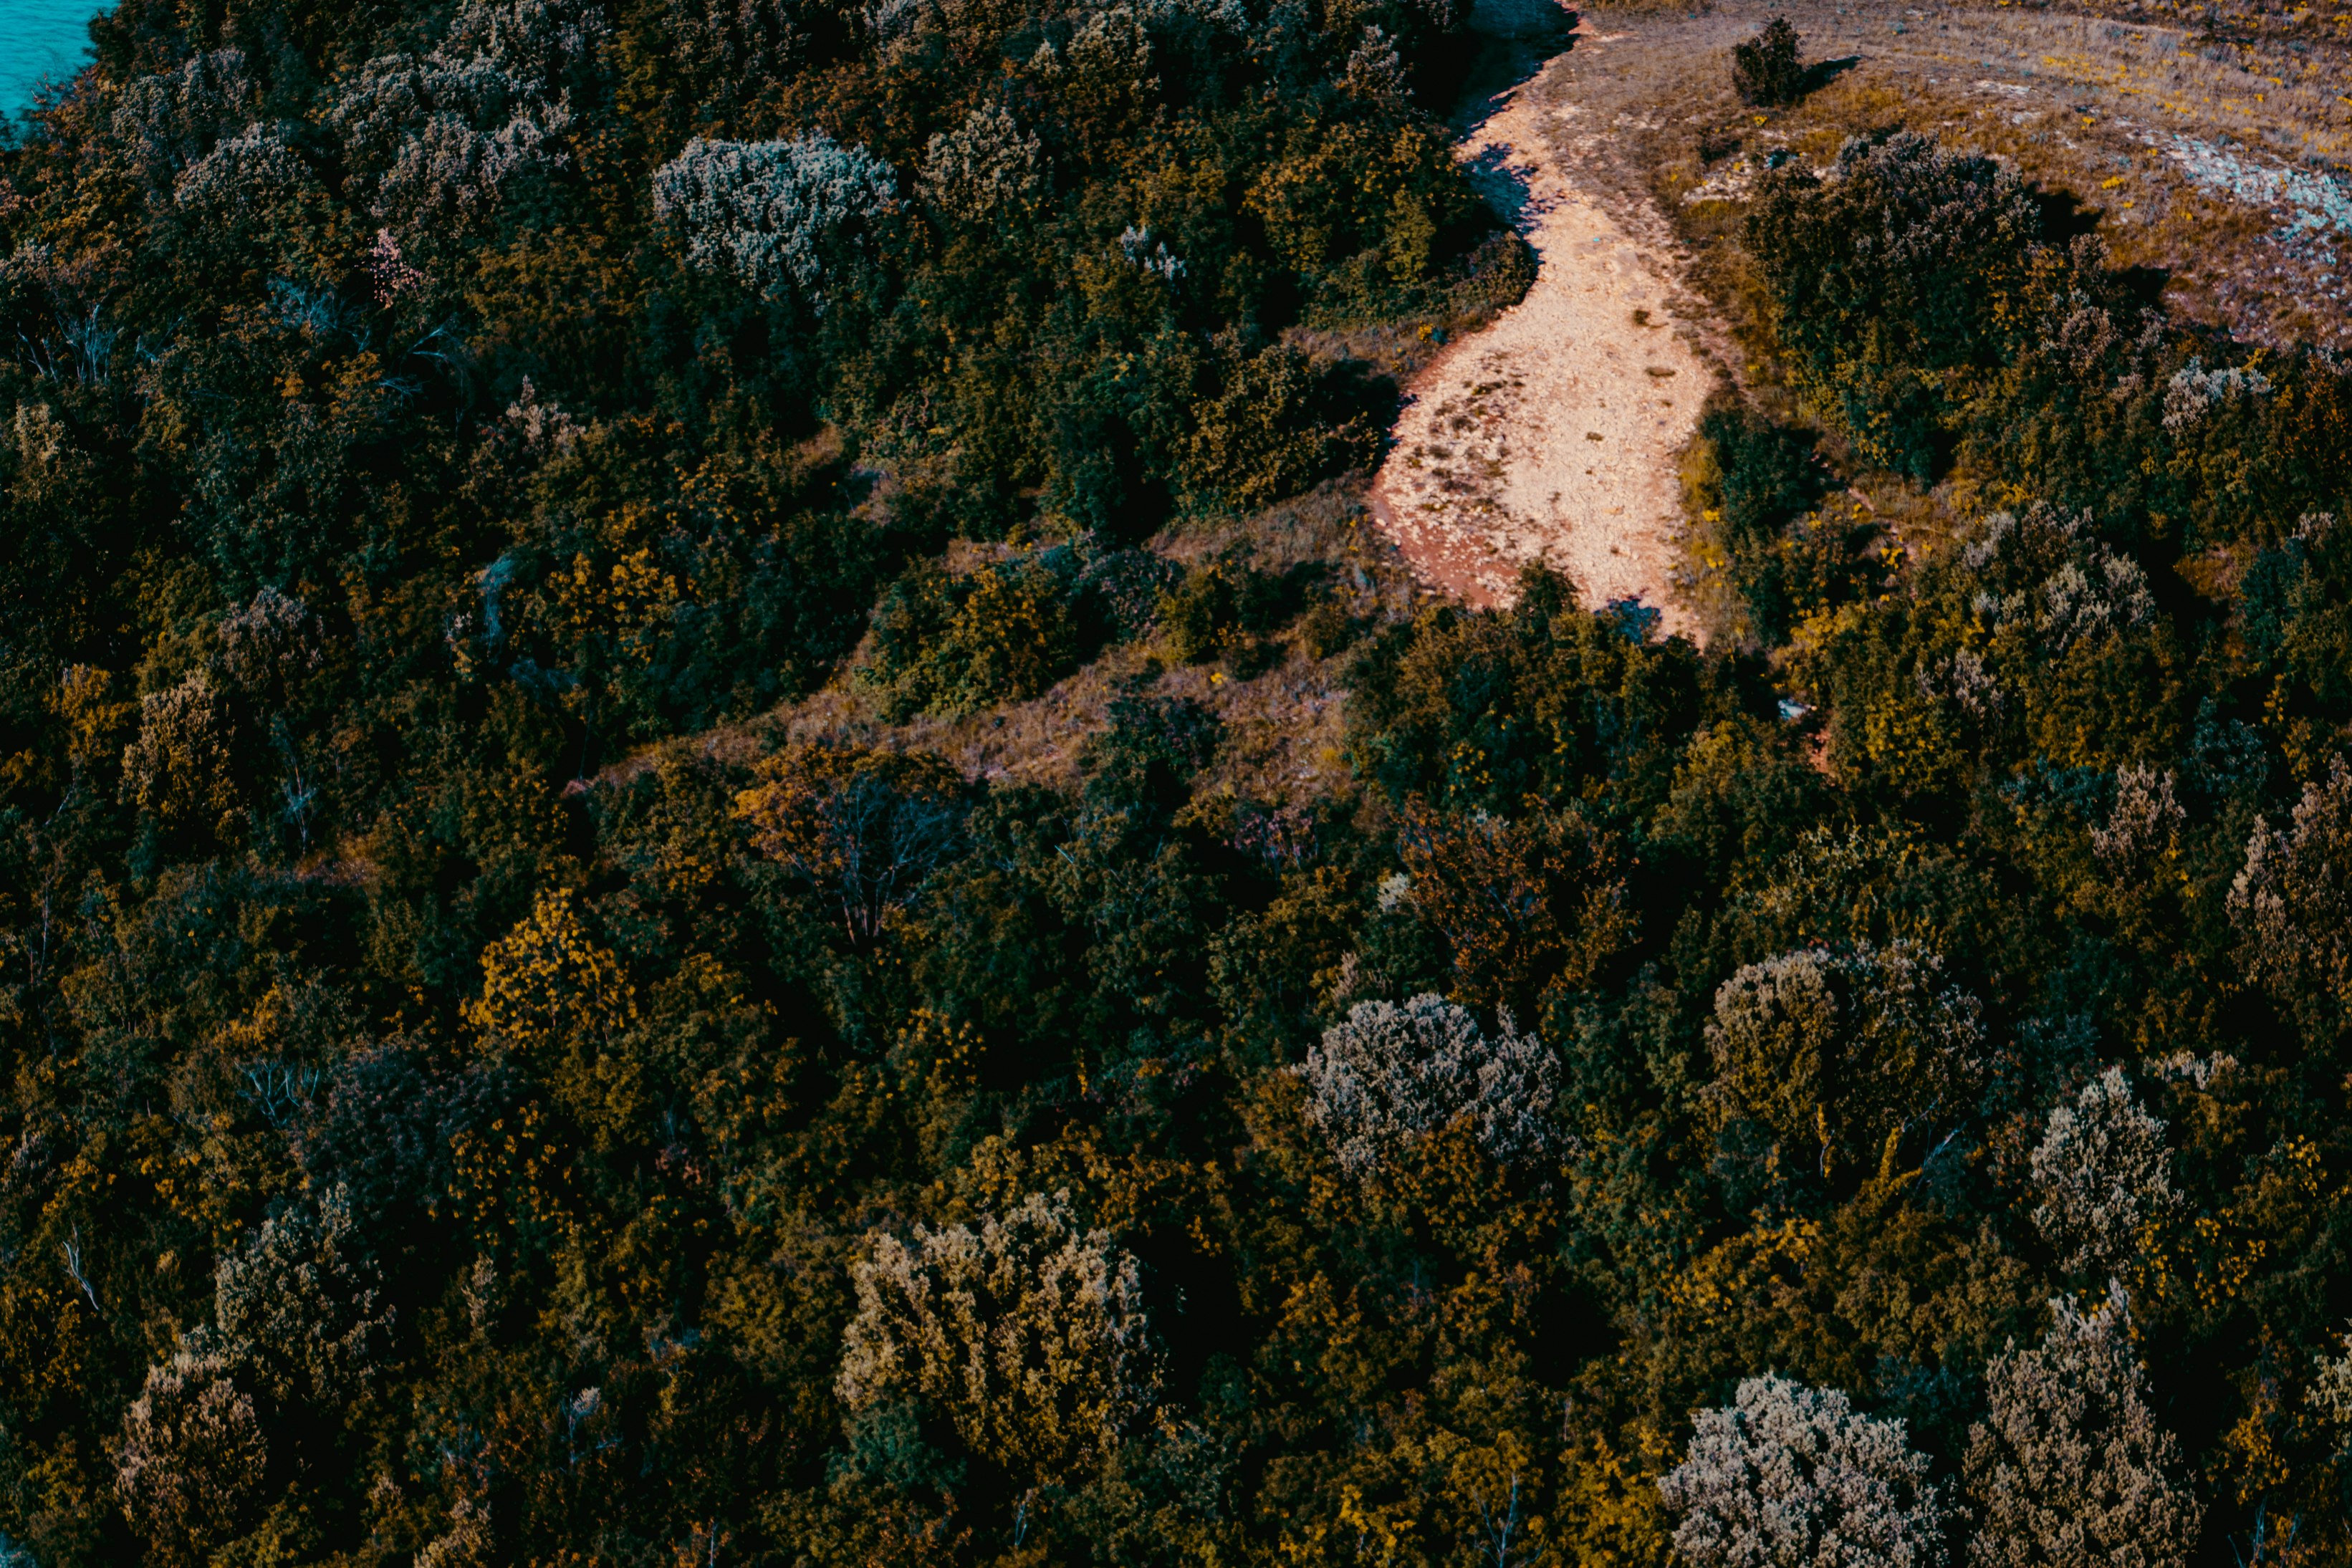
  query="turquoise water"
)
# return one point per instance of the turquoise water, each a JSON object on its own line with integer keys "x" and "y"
{"x": 40, "y": 39}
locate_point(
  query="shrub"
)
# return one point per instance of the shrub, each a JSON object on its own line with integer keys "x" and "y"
{"x": 2144, "y": 826}
{"x": 163, "y": 122}
{"x": 296, "y": 1325}
{"x": 548, "y": 988}
{"x": 1280, "y": 422}
{"x": 953, "y": 645}
{"x": 1387, "y": 1077}
{"x": 1220, "y": 605}
{"x": 270, "y": 645}
{"x": 1787, "y": 1475}
{"x": 2049, "y": 582}
{"x": 1753, "y": 481}
{"x": 1145, "y": 763}
{"x": 1520, "y": 905}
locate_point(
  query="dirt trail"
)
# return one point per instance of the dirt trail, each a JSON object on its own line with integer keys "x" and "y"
{"x": 1553, "y": 434}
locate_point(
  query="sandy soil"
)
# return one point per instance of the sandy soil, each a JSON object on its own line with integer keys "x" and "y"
{"x": 1554, "y": 434}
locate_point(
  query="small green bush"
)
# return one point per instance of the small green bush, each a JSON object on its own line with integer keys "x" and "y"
{"x": 1220, "y": 608}
{"x": 951, "y": 645}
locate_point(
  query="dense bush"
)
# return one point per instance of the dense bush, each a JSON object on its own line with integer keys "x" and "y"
{"x": 482, "y": 1088}
{"x": 1885, "y": 286}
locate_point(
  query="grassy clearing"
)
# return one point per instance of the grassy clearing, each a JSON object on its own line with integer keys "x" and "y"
{"x": 1280, "y": 701}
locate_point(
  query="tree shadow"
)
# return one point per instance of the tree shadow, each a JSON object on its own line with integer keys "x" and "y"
{"x": 2064, "y": 218}
{"x": 1502, "y": 185}
{"x": 1821, "y": 73}
{"x": 2143, "y": 286}
{"x": 1514, "y": 37}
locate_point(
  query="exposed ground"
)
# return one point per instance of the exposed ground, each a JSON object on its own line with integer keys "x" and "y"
{"x": 1553, "y": 434}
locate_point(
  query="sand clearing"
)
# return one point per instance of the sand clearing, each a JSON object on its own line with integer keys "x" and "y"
{"x": 1553, "y": 434}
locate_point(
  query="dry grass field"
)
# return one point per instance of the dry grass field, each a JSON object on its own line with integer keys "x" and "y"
{"x": 2212, "y": 155}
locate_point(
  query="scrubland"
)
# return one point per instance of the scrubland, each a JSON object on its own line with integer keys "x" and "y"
{"x": 726, "y": 838}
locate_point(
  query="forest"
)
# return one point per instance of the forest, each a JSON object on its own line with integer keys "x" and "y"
{"x": 1874, "y": 1086}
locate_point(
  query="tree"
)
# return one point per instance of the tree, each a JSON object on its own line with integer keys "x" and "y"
{"x": 867, "y": 828}
{"x": 179, "y": 767}
{"x": 1790, "y": 1476}
{"x": 1764, "y": 71}
{"x": 1520, "y": 903}
{"x": 1387, "y": 1077}
{"x": 2070, "y": 1466}
{"x": 2104, "y": 1175}
{"x": 193, "y": 1457}
{"x": 301, "y": 1305}
{"x": 548, "y": 987}
{"x": 1844, "y": 1051}
{"x": 1027, "y": 1334}
{"x": 764, "y": 213}
{"x": 2292, "y": 905}
{"x": 987, "y": 169}
{"x": 297, "y": 1329}
{"x": 1884, "y": 283}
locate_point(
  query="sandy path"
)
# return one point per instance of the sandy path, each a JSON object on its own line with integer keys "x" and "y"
{"x": 1552, "y": 434}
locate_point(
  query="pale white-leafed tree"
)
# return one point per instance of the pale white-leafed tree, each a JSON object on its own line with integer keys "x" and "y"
{"x": 1388, "y": 1076}
{"x": 2102, "y": 1174}
{"x": 193, "y": 1457}
{"x": 2292, "y": 901}
{"x": 761, "y": 212}
{"x": 2144, "y": 824}
{"x": 1026, "y": 1332}
{"x": 1787, "y": 1475}
{"x": 2331, "y": 1392}
{"x": 2049, "y": 577}
{"x": 254, "y": 169}
{"x": 163, "y": 122}
{"x": 2070, "y": 1467}
{"x": 436, "y": 140}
